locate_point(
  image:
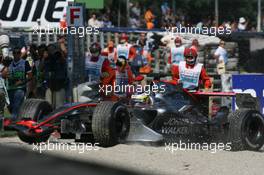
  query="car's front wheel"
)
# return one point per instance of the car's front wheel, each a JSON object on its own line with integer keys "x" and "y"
{"x": 110, "y": 123}
{"x": 36, "y": 110}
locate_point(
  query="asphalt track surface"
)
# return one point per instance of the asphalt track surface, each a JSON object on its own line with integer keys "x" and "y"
{"x": 20, "y": 158}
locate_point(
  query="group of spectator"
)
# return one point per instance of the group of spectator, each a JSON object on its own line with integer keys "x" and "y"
{"x": 142, "y": 17}
{"x": 171, "y": 20}
{"x": 34, "y": 72}
{"x": 102, "y": 22}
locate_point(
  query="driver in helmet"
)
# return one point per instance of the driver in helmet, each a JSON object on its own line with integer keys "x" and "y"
{"x": 190, "y": 73}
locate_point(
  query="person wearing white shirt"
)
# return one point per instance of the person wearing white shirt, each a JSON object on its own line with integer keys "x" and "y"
{"x": 221, "y": 56}
{"x": 93, "y": 22}
{"x": 242, "y": 25}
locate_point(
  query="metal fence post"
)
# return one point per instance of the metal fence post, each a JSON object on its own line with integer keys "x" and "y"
{"x": 47, "y": 39}
{"x": 88, "y": 42}
{"x": 102, "y": 40}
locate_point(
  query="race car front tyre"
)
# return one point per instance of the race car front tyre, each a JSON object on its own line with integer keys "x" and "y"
{"x": 31, "y": 139}
{"x": 34, "y": 109}
{"x": 110, "y": 123}
{"x": 246, "y": 130}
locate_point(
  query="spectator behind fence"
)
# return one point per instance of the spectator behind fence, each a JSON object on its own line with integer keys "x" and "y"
{"x": 106, "y": 22}
{"x": 242, "y": 25}
{"x": 165, "y": 8}
{"x": 19, "y": 75}
{"x": 136, "y": 10}
{"x": 135, "y": 13}
{"x": 221, "y": 56}
{"x": 149, "y": 18}
{"x": 93, "y": 22}
{"x": 134, "y": 22}
{"x": 55, "y": 76}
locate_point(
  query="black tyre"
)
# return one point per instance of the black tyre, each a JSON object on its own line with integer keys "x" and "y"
{"x": 86, "y": 138}
{"x": 110, "y": 123}
{"x": 246, "y": 130}
{"x": 32, "y": 139}
{"x": 35, "y": 109}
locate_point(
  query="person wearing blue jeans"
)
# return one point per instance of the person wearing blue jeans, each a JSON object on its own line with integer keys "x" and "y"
{"x": 16, "y": 99}
{"x": 18, "y": 77}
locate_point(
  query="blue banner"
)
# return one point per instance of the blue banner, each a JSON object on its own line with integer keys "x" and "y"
{"x": 251, "y": 83}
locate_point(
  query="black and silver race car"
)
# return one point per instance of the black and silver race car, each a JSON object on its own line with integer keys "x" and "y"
{"x": 171, "y": 116}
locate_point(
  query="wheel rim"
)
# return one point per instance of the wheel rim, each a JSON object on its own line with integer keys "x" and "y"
{"x": 254, "y": 130}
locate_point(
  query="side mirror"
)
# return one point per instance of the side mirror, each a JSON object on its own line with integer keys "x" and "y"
{"x": 139, "y": 78}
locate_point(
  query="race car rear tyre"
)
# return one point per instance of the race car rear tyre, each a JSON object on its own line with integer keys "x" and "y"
{"x": 246, "y": 130}
{"x": 34, "y": 109}
{"x": 110, "y": 123}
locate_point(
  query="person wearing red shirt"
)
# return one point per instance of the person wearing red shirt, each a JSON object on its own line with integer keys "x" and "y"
{"x": 125, "y": 49}
{"x": 111, "y": 52}
{"x": 122, "y": 81}
{"x": 190, "y": 73}
{"x": 99, "y": 74}
{"x": 98, "y": 69}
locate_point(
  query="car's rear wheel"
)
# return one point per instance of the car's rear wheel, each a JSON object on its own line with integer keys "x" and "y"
{"x": 36, "y": 110}
{"x": 246, "y": 130}
{"x": 110, "y": 123}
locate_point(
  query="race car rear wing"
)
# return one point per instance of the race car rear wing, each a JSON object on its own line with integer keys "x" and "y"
{"x": 224, "y": 94}
{"x": 242, "y": 100}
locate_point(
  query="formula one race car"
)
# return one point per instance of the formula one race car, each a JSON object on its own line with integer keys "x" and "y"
{"x": 171, "y": 116}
